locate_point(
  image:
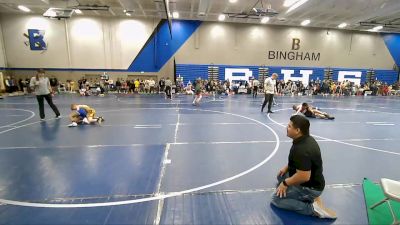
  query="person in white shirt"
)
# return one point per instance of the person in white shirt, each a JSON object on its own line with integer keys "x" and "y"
{"x": 152, "y": 84}
{"x": 270, "y": 90}
{"x": 41, "y": 85}
{"x": 256, "y": 83}
{"x": 168, "y": 88}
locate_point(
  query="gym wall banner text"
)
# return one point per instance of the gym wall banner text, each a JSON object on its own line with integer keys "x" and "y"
{"x": 294, "y": 54}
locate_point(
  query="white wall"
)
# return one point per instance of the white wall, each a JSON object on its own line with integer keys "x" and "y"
{"x": 113, "y": 43}
{"x": 79, "y": 42}
{"x": 20, "y": 55}
{"x": 248, "y": 44}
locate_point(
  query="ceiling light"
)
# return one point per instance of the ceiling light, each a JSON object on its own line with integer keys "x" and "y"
{"x": 51, "y": 13}
{"x": 296, "y": 5}
{"x": 232, "y": 1}
{"x": 221, "y": 17}
{"x": 265, "y": 19}
{"x": 124, "y": 10}
{"x": 305, "y": 22}
{"x": 175, "y": 15}
{"x": 78, "y": 11}
{"x": 128, "y": 14}
{"x": 342, "y": 25}
{"x": 377, "y": 28}
{"x": 23, "y": 8}
{"x": 288, "y": 3}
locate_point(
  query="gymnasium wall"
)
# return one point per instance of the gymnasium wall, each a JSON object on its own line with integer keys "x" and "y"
{"x": 90, "y": 45}
{"x": 77, "y": 46}
{"x": 248, "y": 44}
{"x": 79, "y": 42}
{"x": 3, "y": 62}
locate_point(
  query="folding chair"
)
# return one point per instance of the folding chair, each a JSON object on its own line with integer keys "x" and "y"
{"x": 391, "y": 190}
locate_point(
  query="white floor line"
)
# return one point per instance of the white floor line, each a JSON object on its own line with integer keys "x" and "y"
{"x": 7, "y": 126}
{"x": 222, "y": 142}
{"x": 28, "y": 124}
{"x": 361, "y": 110}
{"x": 13, "y": 115}
{"x": 158, "y": 217}
{"x": 360, "y": 139}
{"x": 21, "y": 121}
{"x": 328, "y": 186}
{"x": 173, "y": 124}
{"x": 195, "y": 189}
{"x": 158, "y": 193}
{"x": 163, "y": 169}
{"x": 384, "y": 124}
{"x": 13, "y": 103}
{"x": 373, "y": 122}
{"x": 72, "y": 146}
{"x": 337, "y": 141}
{"x": 177, "y": 127}
{"x": 190, "y": 143}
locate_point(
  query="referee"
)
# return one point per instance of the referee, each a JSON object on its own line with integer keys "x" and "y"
{"x": 270, "y": 90}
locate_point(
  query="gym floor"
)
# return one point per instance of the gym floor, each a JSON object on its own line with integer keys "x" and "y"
{"x": 157, "y": 161}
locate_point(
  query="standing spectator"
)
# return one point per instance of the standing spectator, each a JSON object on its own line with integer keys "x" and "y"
{"x": 256, "y": 83}
{"x": 41, "y": 85}
{"x": 147, "y": 86}
{"x": 152, "y": 84}
{"x": 137, "y": 84}
{"x": 118, "y": 85}
{"x": 20, "y": 85}
{"x": 161, "y": 84}
{"x": 10, "y": 85}
{"x": 54, "y": 84}
{"x": 130, "y": 87}
{"x": 168, "y": 87}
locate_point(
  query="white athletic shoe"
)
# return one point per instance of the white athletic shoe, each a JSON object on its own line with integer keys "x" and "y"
{"x": 85, "y": 121}
{"x": 323, "y": 212}
{"x": 73, "y": 124}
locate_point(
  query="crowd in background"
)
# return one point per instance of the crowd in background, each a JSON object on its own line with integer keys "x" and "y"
{"x": 151, "y": 86}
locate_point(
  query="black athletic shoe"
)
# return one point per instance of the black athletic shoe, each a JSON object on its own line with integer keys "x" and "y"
{"x": 331, "y": 118}
{"x": 100, "y": 120}
{"x": 270, "y": 112}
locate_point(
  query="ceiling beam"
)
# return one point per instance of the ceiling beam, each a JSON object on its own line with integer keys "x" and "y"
{"x": 122, "y": 4}
{"x": 111, "y": 11}
{"x": 204, "y": 7}
{"x": 158, "y": 9}
{"x": 141, "y": 8}
{"x": 191, "y": 9}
